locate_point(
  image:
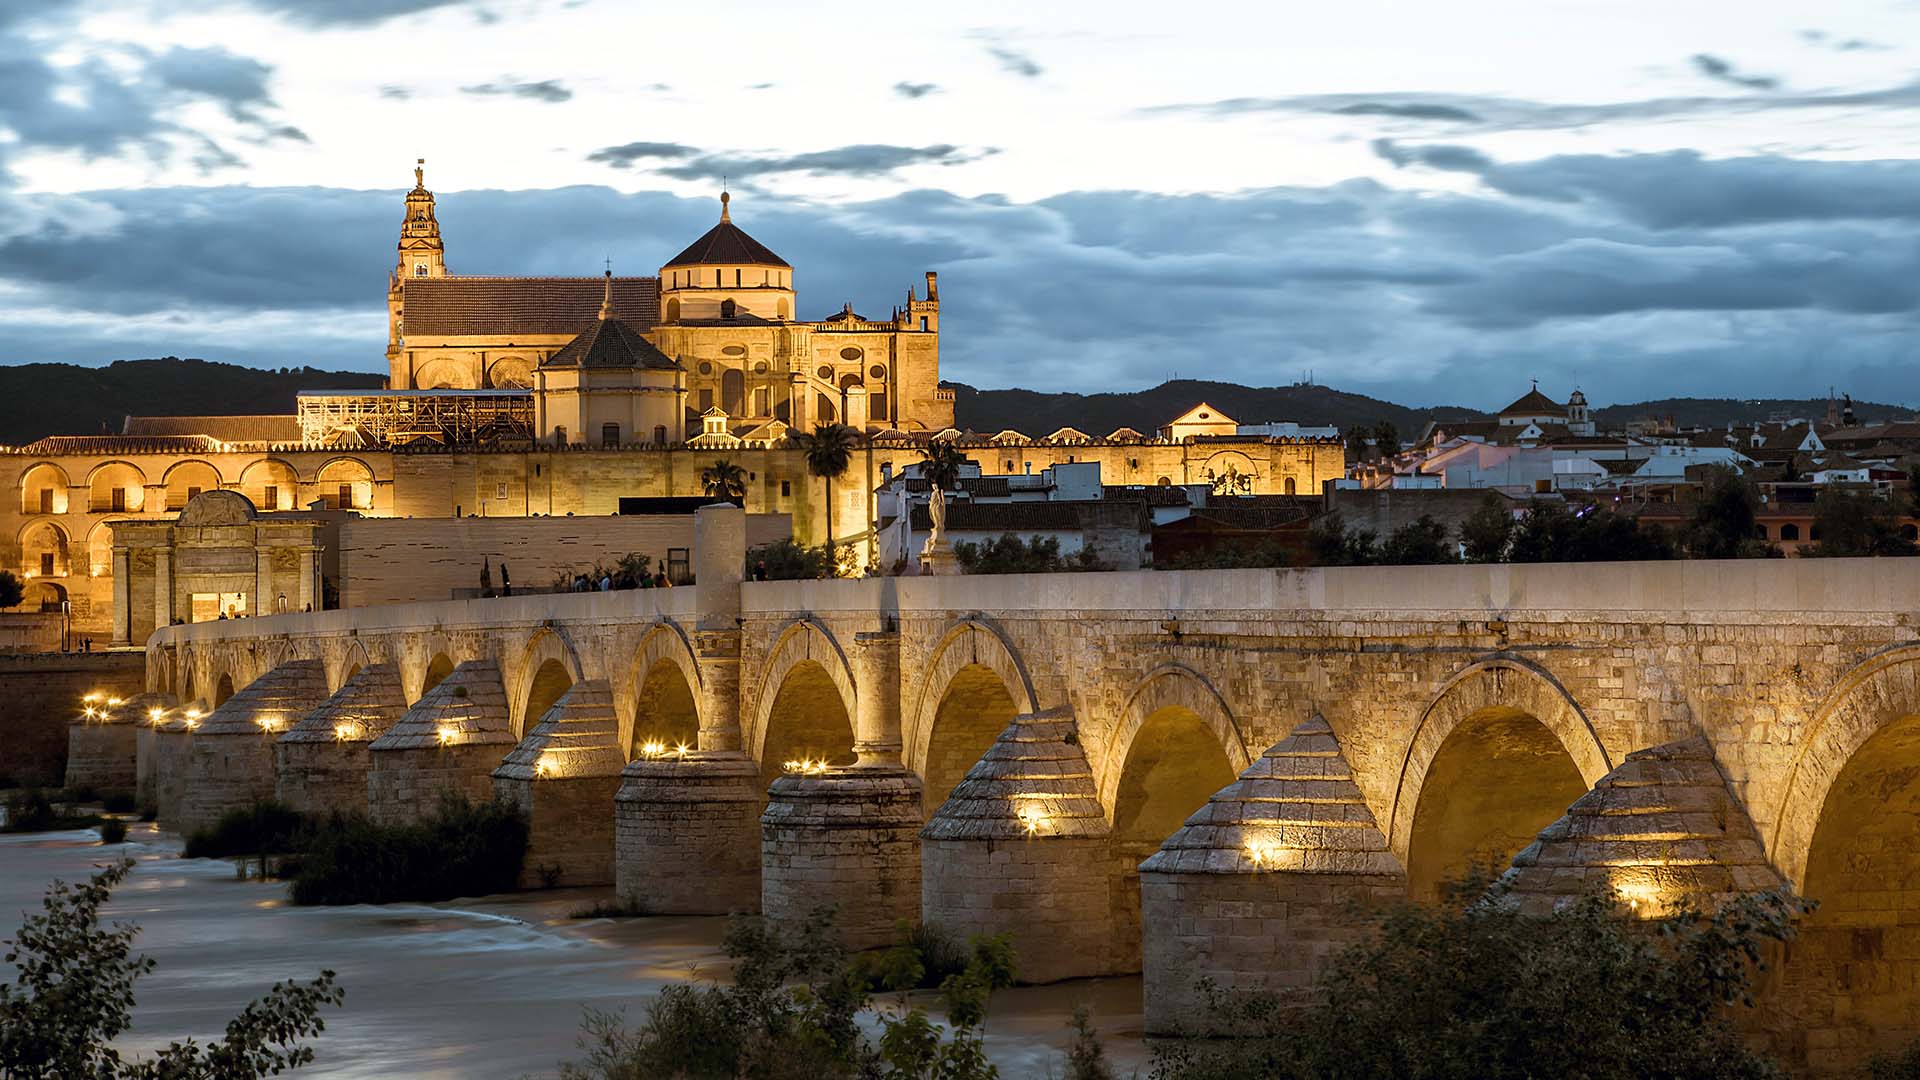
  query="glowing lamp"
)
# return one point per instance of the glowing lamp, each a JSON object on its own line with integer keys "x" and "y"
{"x": 680, "y": 749}
{"x": 1031, "y": 818}
{"x": 653, "y": 748}
{"x": 445, "y": 733}
{"x": 544, "y": 766}
{"x": 805, "y": 766}
{"x": 1266, "y": 853}
{"x": 345, "y": 729}
{"x": 154, "y": 714}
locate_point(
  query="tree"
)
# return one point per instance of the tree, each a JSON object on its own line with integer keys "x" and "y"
{"x": 828, "y": 451}
{"x": 75, "y": 996}
{"x": 1331, "y": 543}
{"x": 12, "y": 590}
{"x": 1010, "y": 554}
{"x": 1423, "y": 541}
{"x": 1476, "y": 988}
{"x": 1357, "y": 438}
{"x": 1856, "y": 523}
{"x": 787, "y": 560}
{"x": 941, "y": 462}
{"x": 1725, "y": 519}
{"x": 1486, "y": 531}
{"x": 1386, "y": 438}
{"x": 724, "y": 481}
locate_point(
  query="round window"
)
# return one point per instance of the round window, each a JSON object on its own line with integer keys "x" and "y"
{"x": 825, "y": 372}
{"x": 760, "y": 368}
{"x": 735, "y": 350}
{"x": 851, "y": 353}
{"x": 878, "y": 371}
{"x": 706, "y": 367}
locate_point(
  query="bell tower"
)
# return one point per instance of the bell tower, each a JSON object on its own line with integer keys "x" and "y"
{"x": 422, "y": 254}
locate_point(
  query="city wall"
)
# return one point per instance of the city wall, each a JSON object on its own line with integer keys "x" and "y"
{"x": 40, "y": 695}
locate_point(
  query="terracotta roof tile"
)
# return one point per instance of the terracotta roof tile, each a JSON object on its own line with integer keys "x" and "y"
{"x": 452, "y": 306}
{"x": 237, "y": 429}
{"x": 610, "y": 343}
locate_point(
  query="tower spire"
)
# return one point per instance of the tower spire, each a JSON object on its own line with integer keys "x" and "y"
{"x": 724, "y": 199}
{"x": 606, "y": 302}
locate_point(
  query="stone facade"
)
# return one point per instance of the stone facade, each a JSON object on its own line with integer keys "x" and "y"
{"x": 687, "y": 834}
{"x": 103, "y": 749}
{"x": 445, "y": 746}
{"x": 320, "y": 765}
{"x": 846, "y": 838}
{"x": 230, "y": 762}
{"x": 563, "y": 776}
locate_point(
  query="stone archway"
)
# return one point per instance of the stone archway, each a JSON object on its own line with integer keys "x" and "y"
{"x": 1171, "y": 686}
{"x": 548, "y": 667}
{"x": 661, "y": 695}
{"x": 973, "y": 686}
{"x": 1498, "y": 755}
{"x": 806, "y": 701}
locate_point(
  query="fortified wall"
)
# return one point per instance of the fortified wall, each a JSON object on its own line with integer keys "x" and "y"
{"x": 1188, "y": 773}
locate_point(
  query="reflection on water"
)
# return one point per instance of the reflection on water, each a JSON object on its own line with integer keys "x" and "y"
{"x": 470, "y": 989}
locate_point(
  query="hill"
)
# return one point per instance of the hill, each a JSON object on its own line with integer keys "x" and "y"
{"x": 1719, "y": 412}
{"x": 66, "y": 399}
{"x": 1038, "y": 414}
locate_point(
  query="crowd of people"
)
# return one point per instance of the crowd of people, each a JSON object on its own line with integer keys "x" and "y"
{"x": 611, "y": 580}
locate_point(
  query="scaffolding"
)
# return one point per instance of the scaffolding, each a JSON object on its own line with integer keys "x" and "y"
{"x": 409, "y": 417}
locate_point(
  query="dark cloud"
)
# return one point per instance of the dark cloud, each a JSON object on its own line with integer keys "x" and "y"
{"x": 348, "y": 12}
{"x": 1434, "y": 156}
{"x": 1635, "y": 275}
{"x": 1408, "y": 111}
{"x": 914, "y": 89}
{"x": 1839, "y": 44}
{"x": 624, "y": 155}
{"x": 1015, "y": 62}
{"x": 550, "y": 91}
{"x": 395, "y": 93}
{"x": 1720, "y": 70}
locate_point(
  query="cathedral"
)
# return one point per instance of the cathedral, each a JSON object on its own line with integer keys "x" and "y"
{"x": 716, "y": 329}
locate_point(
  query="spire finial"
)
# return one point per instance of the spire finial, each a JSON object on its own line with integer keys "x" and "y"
{"x": 419, "y": 173}
{"x": 724, "y": 199}
{"x": 606, "y": 302}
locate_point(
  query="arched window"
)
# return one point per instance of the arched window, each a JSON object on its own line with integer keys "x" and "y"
{"x": 1762, "y": 530}
{"x": 559, "y": 435}
{"x": 659, "y": 434}
{"x": 1165, "y": 481}
{"x": 726, "y": 309}
{"x": 1790, "y": 531}
{"x": 673, "y": 310}
{"x": 1289, "y": 485}
{"x": 609, "y": 435}
{"x": 419, "y": 269}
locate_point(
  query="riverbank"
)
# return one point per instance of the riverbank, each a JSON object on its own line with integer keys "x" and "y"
{"x": 481, "y": 988}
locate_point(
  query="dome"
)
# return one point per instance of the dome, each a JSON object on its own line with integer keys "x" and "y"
{"x": 726, "y": 244}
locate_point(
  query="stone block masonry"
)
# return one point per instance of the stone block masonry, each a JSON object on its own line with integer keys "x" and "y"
{"x": 40, "y": 695}
{"x": 563, "y": 776}
{"x": 103, "y": 750}
{"x": 446, "y": 745}
{"x": 687, "y": 834}
{"x": 321, "y": 765}
{"x": 230, "y": 765}
{"x": 848, "y": 838}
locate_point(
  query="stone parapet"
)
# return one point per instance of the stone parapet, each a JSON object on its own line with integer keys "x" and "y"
{"x": 563, "y": 776}
{"x": 847, "y": 838}
{"x": 1263, "y": 884}
{"x": 687, "y": 834}
{"x": 1021, "y": 846}
{"x": 447, "y": 744}
{"x": 231, "y": 763}
{"x": 321, "y": 764}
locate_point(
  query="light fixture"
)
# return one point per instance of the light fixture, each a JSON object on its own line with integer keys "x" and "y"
{"x": 805, "y": 766}
{"x": 154, "y": 714}
{"x": 345, "y": 729}
{"x": 653, "y": 748}
{"x": 1031, "y": 817}
{"x": 445, "y": 733}
{"x": 1266, "y": 852}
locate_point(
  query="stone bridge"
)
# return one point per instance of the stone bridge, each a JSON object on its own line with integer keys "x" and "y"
{"x": 1005, "y": 752}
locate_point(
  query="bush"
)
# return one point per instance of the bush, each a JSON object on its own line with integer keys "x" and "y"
{"x": 463, "y": 849}
{"x": 920, "y": 958}
{"x": 786, "y": 560}
{"x": 265, "y": 828}
{"x": 75, "y": 996}
{"x": 33, "y": 810}
{"x": 113, "y": 831}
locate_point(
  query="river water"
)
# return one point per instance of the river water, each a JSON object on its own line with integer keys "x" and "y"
{"x": 486, "y": 988}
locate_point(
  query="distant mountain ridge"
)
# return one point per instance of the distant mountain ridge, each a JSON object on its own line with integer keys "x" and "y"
{"x": 67, "y": 399}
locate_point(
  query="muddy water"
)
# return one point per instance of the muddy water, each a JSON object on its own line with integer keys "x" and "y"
{"x": 482, "y": 988}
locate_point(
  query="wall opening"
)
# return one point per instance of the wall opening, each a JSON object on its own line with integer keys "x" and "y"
{"x": 1173, "y": 766}
{"x": 664, "y": 713}
{"x": 974, "y": 711}
{"x": 222, "y": 690}
{"x": 550, "y": 681}
{"x": 438, "y": 668}
{"x": 1499, "y": 779}
{"x": 808, "y": 721}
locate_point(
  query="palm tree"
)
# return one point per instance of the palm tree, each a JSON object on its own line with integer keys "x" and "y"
{"x": 828, "y": 451}
{"x": 725, "y": 481}
{"x": 941, "y": 464}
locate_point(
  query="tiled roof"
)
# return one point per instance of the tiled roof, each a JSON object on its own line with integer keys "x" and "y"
{"x": 122, "y": 444}
{"x": 359, "y": 712}
{"x": 1003, "y": 517}
{"x": 1534, "y": 403}
{"x": 1154, "y": 494}
{"x": 271, "y": 428}
{"x": 985, "y": 487}
{"x": 610, "y": 343}
{"x": 453, "y": 306}
{"x": 727, "y": 244}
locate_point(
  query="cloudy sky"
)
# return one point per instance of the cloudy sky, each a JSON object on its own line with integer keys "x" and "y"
{"x": 1427, "y": 202}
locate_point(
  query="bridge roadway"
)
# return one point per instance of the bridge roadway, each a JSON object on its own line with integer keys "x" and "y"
{"x": 1003, "y": 753}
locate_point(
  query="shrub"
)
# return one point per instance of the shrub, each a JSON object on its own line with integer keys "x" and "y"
{"x": 33, "y": 810}
{"x": 265, "y": 828}
{"x": 463, "y": 849}
{"x": 920, "y": 958}
{"x": 75, "y": 996}
{"x": 113, "y": 831}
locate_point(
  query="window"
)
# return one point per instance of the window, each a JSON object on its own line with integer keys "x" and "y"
{"x": 500, "y": 492}
{"x": 1789, "y": 531}
{"x": 1164, "y": 482}
{"x": 762, "y": 401}
{"x": 559, "y": 438}
{"x": 1762, "y": 530}
{"x": 609, "y": 435}
{"x": 736, "y": 278}
{"x": 193, "y": 493}
{"x": 659, "y": 434}
{"x": 419, "y": 269}
{"x": 343, "y": 499}
{"x": 706, "y": 398}
{"x": 119, "y": 500}
{"x": 878, "y": 371}
{"x": 46, "y": 500}
{"x": 786, "y": 489}
{"x": 877, "y": 405}
{"x": 270, "y": 497}
{"x": 1289, "y": 485}
{"x": 716, "y": 278}
{"x": 46, "y": 564}
{"x": 727, "y": 309}
{"x": 679, "y": 570}
{"x": 923, "y": 324}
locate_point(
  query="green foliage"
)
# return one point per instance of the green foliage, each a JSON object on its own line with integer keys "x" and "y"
{"x": 12, "y": 589}
{"x": 33, "y": 810}
{"x": 941, "y": 462}
{"x": 1086, "y": 1058}
{"x": 1725, "y": 519}
{"x": 1331, "y": 543}
{"x": 75, "y": 996}
{"x": 1420, "y": 542}
{"x": 1270, "y": 554}
{"x": 791, "y": 1013}
{"x": 1386, "y": 438}
{"x": 827, "y": 450}
{"x": 265, "y": 828}
{"x": 921, "y": 957}
{"x": 1476, "y": 989}
{"x": 1856, "y": 523}
{"x": 463, "y": 849}
{"x": 1485, "y": 532}
{"x": 787, "y": 560}
{"x": 1553, "y": 532}
{"x": 1012, "y": 555}
{"x": 725, "y": 481}
{"x": 113, "y": 831}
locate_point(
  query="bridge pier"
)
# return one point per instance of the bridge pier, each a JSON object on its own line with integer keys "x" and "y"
{"x": 848, "y": 837}
{"x": 321, "y": 765}
{"x": 230, "y": 765}
{"x": 1022, "y": 845}
{"x": 103, "y": 751}
{"x": 1259, "y": 889}
{"x": 687, "y": 833}
{"x": 448, "y": 743}
{"x": 563, "y": 776}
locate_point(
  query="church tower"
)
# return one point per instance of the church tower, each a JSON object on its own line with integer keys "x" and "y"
{"x": 422, "y": 254}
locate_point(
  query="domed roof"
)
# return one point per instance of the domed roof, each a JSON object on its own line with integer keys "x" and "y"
{"x": 726, "y": 244}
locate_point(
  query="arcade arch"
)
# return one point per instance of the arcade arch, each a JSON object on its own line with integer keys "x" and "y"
{"x": 116, "y": 487}
{"x": 271, "y": 484}
{"x": 346, "y": 484}
{"x": 187, "y": 479}
{"x": 44, "y": 550}
{"x": 43, "y": 489}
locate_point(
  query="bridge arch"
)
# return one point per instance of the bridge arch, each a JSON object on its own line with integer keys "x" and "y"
{"x": 972, "y": 687}
{"x": 1498, "y": 754}
{"x": 1165, "y": 689}
{"x": 424, "y": 660}
{"x": 548, "y": 667}
{"x": 347, "y": 664}
{"x": 665, "y": 687}
{"x": 806, "y": 700}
